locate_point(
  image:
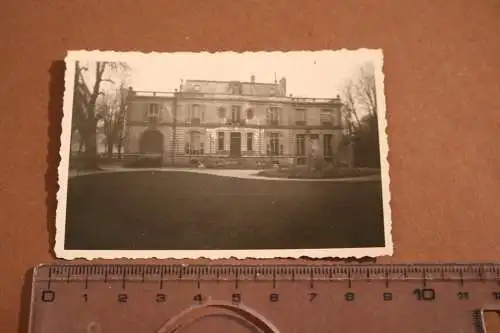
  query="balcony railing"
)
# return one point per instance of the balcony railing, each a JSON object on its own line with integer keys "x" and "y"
{"x": 195, "y": 121}
{"x": 300, "y": 123}
{"x": 233, "y": 122}
{"x": 273, "y": 122}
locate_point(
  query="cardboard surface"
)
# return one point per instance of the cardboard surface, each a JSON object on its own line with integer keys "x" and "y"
{"x": 442, "y": 70}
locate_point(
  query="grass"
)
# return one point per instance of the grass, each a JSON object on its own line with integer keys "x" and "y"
{"x": 179, "y": 210}
{"x": 330, "y": 173}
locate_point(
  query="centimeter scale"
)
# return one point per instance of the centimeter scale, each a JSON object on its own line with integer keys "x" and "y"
{"x": 102, "y": 298}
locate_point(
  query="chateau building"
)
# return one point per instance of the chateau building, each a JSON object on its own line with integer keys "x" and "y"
{"x": 231, "y": 121}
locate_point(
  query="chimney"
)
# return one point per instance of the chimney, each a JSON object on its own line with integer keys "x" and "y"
{"x": 252, "y": 78}
{"x": 283, "y": 86}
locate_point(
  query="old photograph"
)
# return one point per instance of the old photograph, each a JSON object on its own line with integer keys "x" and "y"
{"x": 224, "y": 154}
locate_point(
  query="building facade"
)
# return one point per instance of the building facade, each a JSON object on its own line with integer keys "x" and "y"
{"x": 249, "y": 123}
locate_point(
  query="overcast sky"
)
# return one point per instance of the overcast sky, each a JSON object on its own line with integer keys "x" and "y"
{"x": 308, "y": 74}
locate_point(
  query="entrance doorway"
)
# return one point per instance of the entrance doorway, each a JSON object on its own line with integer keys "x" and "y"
{"x": 235, "y": 144}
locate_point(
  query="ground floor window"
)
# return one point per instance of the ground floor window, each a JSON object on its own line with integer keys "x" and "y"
{"x": 274, "y": 147}
{"x": 249, "y": 141}
{"x": 301, "y": 144}
{"x": 220, "y": 141}
{"x": 195, "y": 144}
{"x": 327, "y": 145}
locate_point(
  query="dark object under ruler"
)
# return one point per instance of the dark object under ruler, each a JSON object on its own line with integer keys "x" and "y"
{"x": 246, "y": 298}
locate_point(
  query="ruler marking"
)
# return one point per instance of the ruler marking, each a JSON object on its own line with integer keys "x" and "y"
{"x": 236, "y": 278}
{"x": 124, "y": 274}
{"x": 386, "y": 279}
{"x": 161, "y": 278}
{"x": 349, "y": 283}
{"x": 86, "y": 282}
{"x": 49, "y": 280}
{"x": 274, "y": 279}
{"x": 461, "y": 278}
{"x": 311, "y": 279}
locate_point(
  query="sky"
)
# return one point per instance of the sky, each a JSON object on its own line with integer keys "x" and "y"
{"x": 320, "y": 74}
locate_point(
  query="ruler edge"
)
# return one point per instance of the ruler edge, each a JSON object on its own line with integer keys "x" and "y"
{"x": 31, "y": 315}
{"x": 272, "y": 266}
{"x": 36, "y": 269}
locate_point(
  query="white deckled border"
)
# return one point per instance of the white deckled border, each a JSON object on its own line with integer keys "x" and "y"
{"x": 376, "y": 55}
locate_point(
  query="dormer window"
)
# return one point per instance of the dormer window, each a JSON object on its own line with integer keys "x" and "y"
{"x": 326, "y": 117}
{"x": 236, "y": 88}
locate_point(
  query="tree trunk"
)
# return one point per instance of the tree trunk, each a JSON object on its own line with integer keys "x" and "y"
{"x": 90, "y": 141}
{"x": 109, "y": 148}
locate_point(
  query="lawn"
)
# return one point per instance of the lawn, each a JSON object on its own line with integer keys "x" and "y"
{"x": 180, "y": 210}
{"x": 329, "y": 173}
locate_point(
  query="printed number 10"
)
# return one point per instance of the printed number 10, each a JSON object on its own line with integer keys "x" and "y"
{"x": 425, "y": 294}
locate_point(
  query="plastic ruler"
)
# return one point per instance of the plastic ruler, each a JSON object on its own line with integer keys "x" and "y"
{"x": 103, "y": 298}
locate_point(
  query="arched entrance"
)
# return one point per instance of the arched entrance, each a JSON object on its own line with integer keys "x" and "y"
{"x": 247, "y": 317}
{"x": 151, "y": 142}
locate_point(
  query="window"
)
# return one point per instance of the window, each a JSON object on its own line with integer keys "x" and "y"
{"x": 196, "y": 146}
{"x": 220, "y": 141}
{"x": 222, "y": 112}
{"x": 153, "y": 114}
{"x": 249, "y": 114}
{"x": 195, "y": 114}
{"x": 300, "y": 117}
{"x": 273, "y": 116}
{"x": 249, "y": 141}
{"x": 274, "y": 145}
{"x": 326, "y": 117}
{"x": 235, "y": 89}
{"x": 196, "y": 88}
{"x": 327, "y": 145}
{"x": 301, "y": 144}
{"x": 236, "y": 113}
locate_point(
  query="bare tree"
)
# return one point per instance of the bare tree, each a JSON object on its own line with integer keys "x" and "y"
{"x": 113, "y": 113}
{"x": 366, "y": 90}
{"x": 360, "y": 114}
{"x": 85, "y": 112}
{"x": 349, "y": 112}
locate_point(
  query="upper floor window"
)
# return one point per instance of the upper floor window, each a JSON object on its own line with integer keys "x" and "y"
{"x": 326, "y": 117}
{"x": 195, "y": 112}
{"x": 153, "y": 113}
{"x": 236, "y": 113}
{"x": 273, "y": 116}
{"x": 195, "y": 115}
{"x": 300, "y": 117}
{"x": 221, "y": 112}
{"x": 249, "y": 114}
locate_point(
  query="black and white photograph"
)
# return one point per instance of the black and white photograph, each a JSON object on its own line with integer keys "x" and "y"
{"x": 224, "y": 154}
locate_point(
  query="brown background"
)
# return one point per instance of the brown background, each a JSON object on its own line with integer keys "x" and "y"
{"x": 442, "y": 67}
